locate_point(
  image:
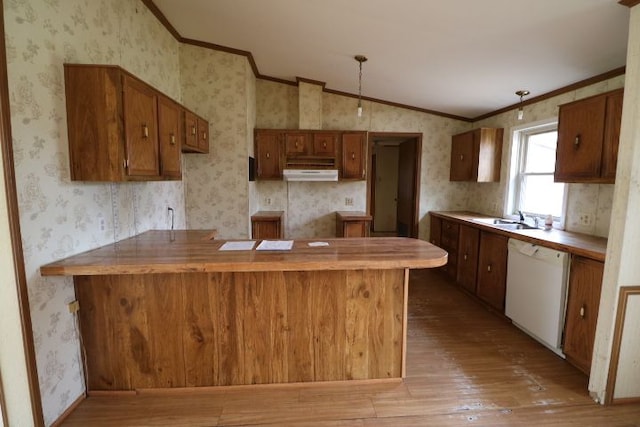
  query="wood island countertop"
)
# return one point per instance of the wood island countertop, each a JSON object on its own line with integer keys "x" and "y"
{"x": 593, "y": 247}
{"x": 190, "y": 251}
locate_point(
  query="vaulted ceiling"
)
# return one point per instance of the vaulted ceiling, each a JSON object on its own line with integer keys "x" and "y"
{"x": 460, "y": 57}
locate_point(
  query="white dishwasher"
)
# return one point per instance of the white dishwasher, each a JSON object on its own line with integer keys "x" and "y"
{"x": 536, "y": 291}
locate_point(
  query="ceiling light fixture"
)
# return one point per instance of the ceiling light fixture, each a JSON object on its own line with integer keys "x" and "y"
{"x": 360, "y": 59}
{"x": 521, "y": 94}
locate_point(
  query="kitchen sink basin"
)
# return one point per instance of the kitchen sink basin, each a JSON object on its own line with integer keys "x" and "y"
{"x": 505, "y": 224}
{"x": 515, "y": 226}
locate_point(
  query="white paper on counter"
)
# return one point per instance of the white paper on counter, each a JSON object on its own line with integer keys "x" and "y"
{"x": 245, "y": 245}
{"x": 275, "y": 245}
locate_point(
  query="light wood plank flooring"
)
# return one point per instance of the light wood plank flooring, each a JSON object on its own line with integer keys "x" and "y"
{"x": 466, "y": 367}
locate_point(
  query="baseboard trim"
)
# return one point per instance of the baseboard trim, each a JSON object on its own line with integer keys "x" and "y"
{"x": 58, "y": 422}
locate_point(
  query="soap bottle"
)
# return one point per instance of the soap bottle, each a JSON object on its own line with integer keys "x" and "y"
{"x": 548, "y": 222}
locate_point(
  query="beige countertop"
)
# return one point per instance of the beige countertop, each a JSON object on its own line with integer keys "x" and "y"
{"x": 576, "y": 243}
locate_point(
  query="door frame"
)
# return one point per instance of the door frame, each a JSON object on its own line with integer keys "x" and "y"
{"x": 416, "y": 139}
{"x": 6, "y": 146}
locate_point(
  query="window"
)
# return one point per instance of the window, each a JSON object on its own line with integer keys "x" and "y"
{"x": 533, "y": 190}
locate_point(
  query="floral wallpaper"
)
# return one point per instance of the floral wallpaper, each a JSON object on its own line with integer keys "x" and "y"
{"x": 310, "y": 105}
{"x": 60, "y": 217}
{"x": 592, "y": 199}
{"x": 216, "y": 86}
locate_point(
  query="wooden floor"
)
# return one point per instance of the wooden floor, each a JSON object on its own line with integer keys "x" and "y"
{"x": 466, "y": 367}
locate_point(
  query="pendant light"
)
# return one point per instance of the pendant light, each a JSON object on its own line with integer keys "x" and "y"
{"x": 360, "y": 59}
{"x": 521, "y": 94}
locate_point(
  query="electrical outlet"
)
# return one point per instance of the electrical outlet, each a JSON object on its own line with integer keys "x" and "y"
{"x": 267, "y": 201}
{"x": 348, "y": 201}
{"x": 585, "y": 219}
{"x": 101, "y": 224}
{"x": 73, "y": 306}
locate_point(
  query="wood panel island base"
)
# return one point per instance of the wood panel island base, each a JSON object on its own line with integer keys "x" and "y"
{"x": 168, "y": 309}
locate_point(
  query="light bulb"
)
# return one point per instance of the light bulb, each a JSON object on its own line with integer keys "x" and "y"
{"x": 520, "y": 113}
{"x": 359, "y": 111}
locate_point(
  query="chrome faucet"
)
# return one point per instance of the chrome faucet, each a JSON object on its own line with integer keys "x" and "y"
{"x": 521, "y": 215}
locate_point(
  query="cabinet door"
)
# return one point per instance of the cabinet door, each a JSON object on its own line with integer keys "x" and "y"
{"x": 462, "y": 157}
{"x": 469, "y": 241}
{"x": 296, "y": 144}
{"x": 449, "y": 241}
{"x": 612, "y": 135}
{"x": 141, "y": 128}
{"x": 492, "y": 269}
{"x": 585, "y": 281}
{"x": 435, "y": 232}
{"x": 267, "y": 151}
{"x": 169, "y": 131}
{"x": 203, "y": 135}
{"x": 580, "y": 139}
{"x": 190, "y": 131}
{"x": 266, "y": 229}
{"x": 324, "y": 143}
{"x": 353, "y": 155}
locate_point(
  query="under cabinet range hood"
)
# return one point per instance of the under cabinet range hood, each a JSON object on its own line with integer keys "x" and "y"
{"x": 310, "y": 174}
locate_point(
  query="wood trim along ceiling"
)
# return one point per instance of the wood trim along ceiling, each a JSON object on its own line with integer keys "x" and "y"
{"x": 6, "y": 145}
{"x": 164, "y": 21}
{"x": 623, "y": 298}
{"x": 629, "y": 3}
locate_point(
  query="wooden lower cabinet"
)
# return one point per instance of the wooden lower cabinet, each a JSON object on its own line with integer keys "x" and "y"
{"x": 492, "y": 269}
{"x": 468, "y": 245}
{"x": 449, "y": 242}
{"x": 267, "y": 225}
{"x": 585, "y": 283}
{"x": 352, "y": 224}
{"x": 435, "y": 232}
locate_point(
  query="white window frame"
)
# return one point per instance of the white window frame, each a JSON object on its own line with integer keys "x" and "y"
{"x": 518, "y": 140}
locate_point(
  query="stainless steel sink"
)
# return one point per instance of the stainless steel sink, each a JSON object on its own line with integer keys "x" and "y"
{"x": 505, "y": 223}
{"x": 515, "y": 226}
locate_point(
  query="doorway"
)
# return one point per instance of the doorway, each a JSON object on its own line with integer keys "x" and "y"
{"x": 393, "y": 186}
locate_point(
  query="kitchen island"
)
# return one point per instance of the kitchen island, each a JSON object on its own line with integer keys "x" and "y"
{"x": 168, "y": 309}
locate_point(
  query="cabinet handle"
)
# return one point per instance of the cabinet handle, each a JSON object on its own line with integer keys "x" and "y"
{"x": 145, "y": 131}
{"x": 353, "y": 155}
{"x": 193, "y": 130}
{"x": 324, "y": 145}
{"x": 582, "y": 311}
{"x": 489, "y": 268}
{"x": 268, "y": 156}
{"x": 576, "y": 142}
{"x": 461, "y": 157}
{"x": 296, "y": 144}
{"x": 204, "y": 135}
{"x": 464, "y": 257}
{"x": 172, "y": 139}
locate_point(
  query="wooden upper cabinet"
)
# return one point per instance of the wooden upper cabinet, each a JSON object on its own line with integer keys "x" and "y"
{"x": 492, "y": 269}
{"x": 325, "y": 143}
{"x": 476, "y": 155}
{"x": 354, "y": 155}
{"x": 583, "y": 302}
{"x": 169, "y": 131}
{"x": 297, "y": 143}
{"x": 267, "y": 154}
{"x": 588, "y": 137}
{"x": 203, "y": 135}
{"x": 195, "y": 134}
{"x": 190, "y": 141}
{"x": 119, "y": 127}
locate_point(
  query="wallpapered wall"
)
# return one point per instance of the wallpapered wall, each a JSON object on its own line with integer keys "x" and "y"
{"x": 593, "y": 199}
{"x": 59, "y": 217}
{"x": 221, "y": 87}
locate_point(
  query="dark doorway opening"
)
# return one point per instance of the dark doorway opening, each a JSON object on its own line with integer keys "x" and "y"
{"x": 393, "y": 184}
